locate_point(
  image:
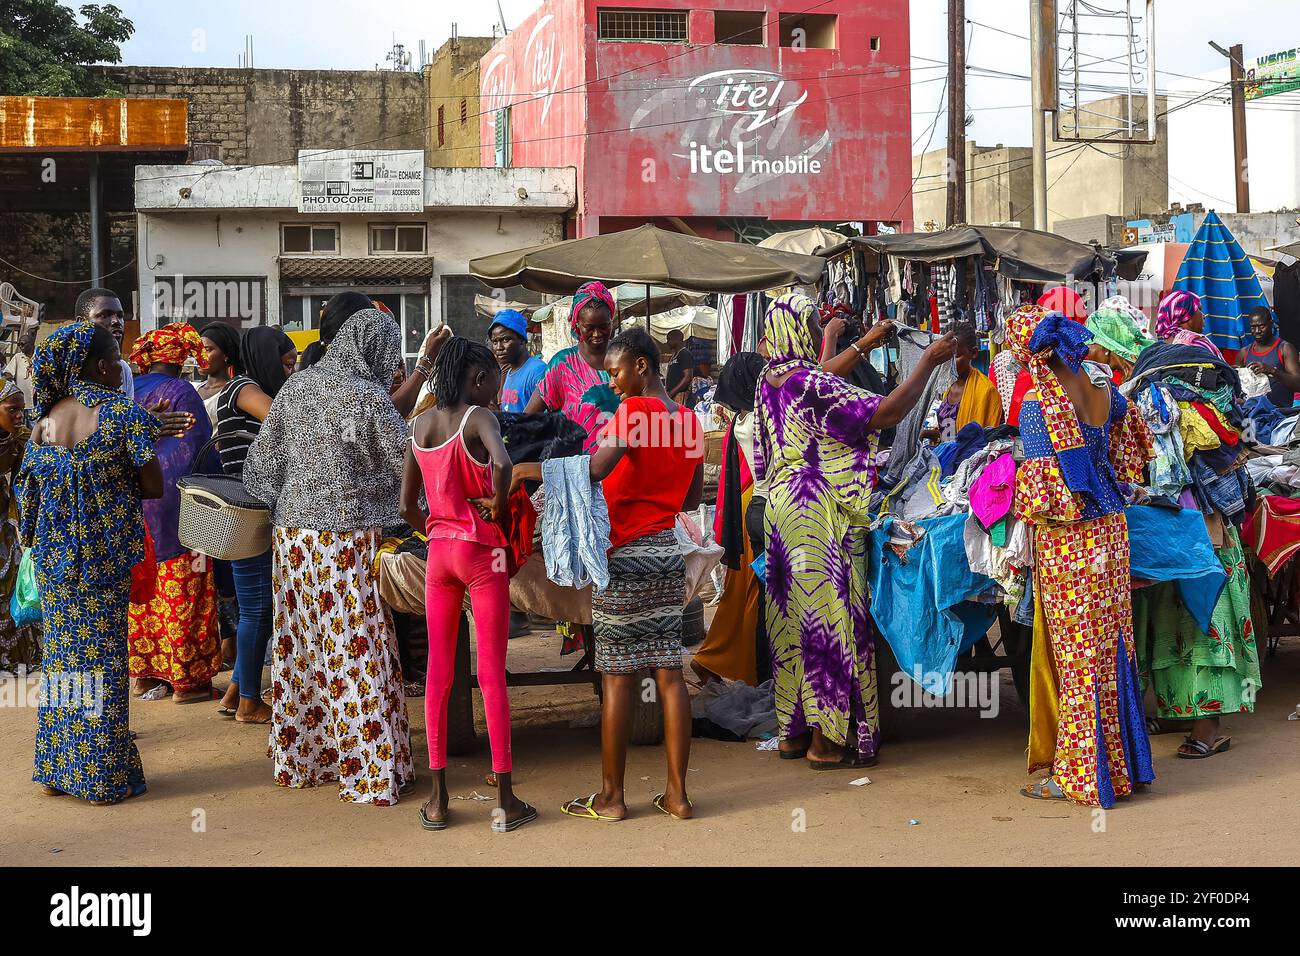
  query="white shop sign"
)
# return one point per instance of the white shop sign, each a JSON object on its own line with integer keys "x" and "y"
{"x": 361, "y": 180}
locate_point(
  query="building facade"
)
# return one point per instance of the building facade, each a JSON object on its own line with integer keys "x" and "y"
{"x": 229, "y": 244}
{"x": 718, "y": 121}
{"x": 452, "y": 80}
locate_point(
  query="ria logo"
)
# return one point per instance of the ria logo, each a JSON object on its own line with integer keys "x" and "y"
{"x": 753, "y": 93}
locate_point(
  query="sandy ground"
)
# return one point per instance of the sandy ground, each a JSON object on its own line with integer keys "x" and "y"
{"x": 943, "y": 793}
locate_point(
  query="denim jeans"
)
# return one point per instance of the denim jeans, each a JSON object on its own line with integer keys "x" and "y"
{"x": 253, "y": 587}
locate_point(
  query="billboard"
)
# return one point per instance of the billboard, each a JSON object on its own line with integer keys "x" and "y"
{"x": 1273, "y": 73}
{"x": 361, "y": 180}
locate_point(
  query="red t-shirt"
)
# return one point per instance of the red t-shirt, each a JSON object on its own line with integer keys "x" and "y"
{"x": 647, "y": 488}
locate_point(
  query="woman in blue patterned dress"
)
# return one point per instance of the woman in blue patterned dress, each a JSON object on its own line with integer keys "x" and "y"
{"x": 89, "y": 464}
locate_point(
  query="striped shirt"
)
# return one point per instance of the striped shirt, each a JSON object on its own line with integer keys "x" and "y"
{"x": 230, "y": 419}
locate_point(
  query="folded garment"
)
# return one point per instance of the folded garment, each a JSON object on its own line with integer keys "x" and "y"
{"x": 990, "y": 494}
{"x": 1262, "y": 417}
{"x": 1274, "y": 531}
{"x": 1167, "y": 545}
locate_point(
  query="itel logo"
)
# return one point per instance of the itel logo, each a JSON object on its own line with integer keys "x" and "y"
{"x": 752, "y": 93}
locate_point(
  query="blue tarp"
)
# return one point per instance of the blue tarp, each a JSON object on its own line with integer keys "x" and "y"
{"x": 916, "y": 600}
{"x": 1219, "y": 271}
{"x": 1168, "y": 545}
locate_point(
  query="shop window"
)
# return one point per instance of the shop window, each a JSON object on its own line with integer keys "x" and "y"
{"x": 809, "y": 31}
{"x": 652, "y": 26}
{"x": 313, "y": 239}
{"x": 459, "y": 309}
{"x": 738, "y": 27}
{"x": 397, "y": 238}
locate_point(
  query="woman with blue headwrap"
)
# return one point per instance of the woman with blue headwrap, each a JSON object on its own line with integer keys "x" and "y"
{"x": 90, "y": 462}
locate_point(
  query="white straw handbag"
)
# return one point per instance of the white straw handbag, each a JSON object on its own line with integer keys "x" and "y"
{"x": 218, "y": 516}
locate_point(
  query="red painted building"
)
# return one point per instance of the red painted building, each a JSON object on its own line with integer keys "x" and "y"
{"x": 731, "y": 116}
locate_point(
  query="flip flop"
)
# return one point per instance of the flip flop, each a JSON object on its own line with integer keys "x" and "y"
{"x": 1202, "y": 749}
{"x": 1044, "y": 790}
{"x": 847, "y": 762}
{"x": 529, "y": 815}
{"x": 581, "y": 807}
{"x": 659, "y": 805}
{"x": 245, "y": 720}
{"x": 53, "y": 791}
{"x": 792, "y": 754}
{"x": 431, "y": 824}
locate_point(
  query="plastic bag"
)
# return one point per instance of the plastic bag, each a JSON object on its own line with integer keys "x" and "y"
{"x": 144, "y": 576}
{"x": 25, "y": 605}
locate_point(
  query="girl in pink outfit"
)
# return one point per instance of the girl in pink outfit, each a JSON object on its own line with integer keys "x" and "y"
{"x": 456, "y": 457}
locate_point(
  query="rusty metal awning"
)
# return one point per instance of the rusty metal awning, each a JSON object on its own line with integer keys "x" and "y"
{"x": 370, "y": 270}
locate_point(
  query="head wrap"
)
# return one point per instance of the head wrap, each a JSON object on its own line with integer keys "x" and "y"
{"x": 1128, "y": 308}
{"x": 171, "y": 344}
{"x": 588, "y": 291}
{"x": 1066, "y": 301}
{"x": 829, "y": 310}
{"x": 368, "y": 346}
{"x": 1114, "y": 330}
{"x": 57, "y": 366}
{"x": 8, "y": 387}
{"x": 1175, "y": 310}
{"x": 789, "y": 339}
{"x": 1035, "y": 335}
{"x": 224, "y": 337}
{"x": 738, "y": 381}
{"x": 511, "y": 320}
{"x": 263, "y": 349}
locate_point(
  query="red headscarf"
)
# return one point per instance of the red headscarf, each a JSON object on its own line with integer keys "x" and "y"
{"x": 171, "y": 344}
{"x": 1066, "y": 301}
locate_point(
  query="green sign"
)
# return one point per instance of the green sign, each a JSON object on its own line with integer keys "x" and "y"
{"x": 1274, "y": 73}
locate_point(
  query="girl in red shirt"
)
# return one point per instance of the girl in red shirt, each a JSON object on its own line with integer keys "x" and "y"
{"x": 651, "y": 462}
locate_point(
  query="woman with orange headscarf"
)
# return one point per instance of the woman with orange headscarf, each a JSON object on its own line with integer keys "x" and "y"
{"x": 1082, "y": 442}
{"x": 174, "y": 644}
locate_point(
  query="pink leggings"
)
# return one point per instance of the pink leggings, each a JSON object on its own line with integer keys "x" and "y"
{"x": 453, "y": 567}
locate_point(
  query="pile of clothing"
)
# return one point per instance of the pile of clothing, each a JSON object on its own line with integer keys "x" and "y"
{"x": 1193, "y": 403}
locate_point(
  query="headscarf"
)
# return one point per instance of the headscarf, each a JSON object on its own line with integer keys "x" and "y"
{"x": 738, "y": 381}
{"x": 1175, "y": 310}
{"x": 1139, "y": 317}
{"x": 1035, "y": 335}
{"x": 1066, "y": 301}
{"x": 1114, "y": 330}
{"x": 224, "y": 337}
{"x": 263, "y": 348}
{"x": 789, "y": 339}
{"x": 8, "y": 387}
{"x": 56, "y": 368}
{"x": 368, "y": 346}
{"x": 171, "y": 344}
{"x": 588, "y": 291}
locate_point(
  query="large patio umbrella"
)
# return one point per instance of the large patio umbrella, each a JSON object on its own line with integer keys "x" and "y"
{"x": 631, "y": 301}
{"x": 808, "y": 241}
{"x": 1219, "y": 271}
{"x": 650, "y": 256}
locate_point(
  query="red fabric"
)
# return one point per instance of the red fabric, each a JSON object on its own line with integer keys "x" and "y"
{"x": 746, "y": 479}
{"x": 520, "y": 529}
{"x": 1226, "y": 435}
{"x": 1066, "y": 301}
{"x": 1274, "y": 530}
{"x": 144, "y": 576}
{"x": 1024, "y": 385}
{"x": 648, "y": 486}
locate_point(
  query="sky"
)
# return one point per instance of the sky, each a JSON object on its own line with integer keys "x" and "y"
{"x": 345, "y": 34}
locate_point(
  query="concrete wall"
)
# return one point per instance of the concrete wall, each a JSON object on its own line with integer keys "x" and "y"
{"x": 452, "y": 80}
{"x": 266, "y": 116}
{"x": 999, "y": 186}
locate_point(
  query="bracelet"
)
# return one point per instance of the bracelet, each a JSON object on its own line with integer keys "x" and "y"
{"x": 857, "y": 348}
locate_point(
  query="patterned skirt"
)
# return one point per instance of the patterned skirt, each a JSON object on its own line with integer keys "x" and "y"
{"x": 83, "y": 741}
{"x": 337, "y": 707}
{"x": 1083, "y": 580}
{"x": 1198, "y": 675}
{"x": 174, "y": 636}
{"x": 637, "y": 620}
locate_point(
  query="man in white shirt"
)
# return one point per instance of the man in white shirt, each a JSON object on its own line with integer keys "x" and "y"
{"x": 103, "y": 307}
{"x": 19, "y": 368}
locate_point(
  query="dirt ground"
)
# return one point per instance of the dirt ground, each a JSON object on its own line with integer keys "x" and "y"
{"x": 943, "y": 793}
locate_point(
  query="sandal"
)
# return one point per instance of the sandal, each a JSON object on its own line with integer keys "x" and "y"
{"x": 431, "y": 824}
{"x": 581, "y": 807}
{"x": 1045, "y": 789}
{"x": 659, "y": 805}
{"x": 1200, "y": 749}
{"x": 529, "y": 815}
{"x": 53, "y": 791}
{"x": 136, "y": 791}
{"x": 846, "y": 762}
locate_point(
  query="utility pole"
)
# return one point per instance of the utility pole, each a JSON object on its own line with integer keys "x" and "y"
{"x": 1042, "y": 17}
{"x": 1237, "y": 76}
{"x": 956, "y": 112}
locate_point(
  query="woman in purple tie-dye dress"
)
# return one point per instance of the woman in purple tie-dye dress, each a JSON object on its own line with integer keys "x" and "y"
{"x": 816, "y": 445}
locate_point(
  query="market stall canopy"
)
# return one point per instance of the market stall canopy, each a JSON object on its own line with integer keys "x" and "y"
{"x": 486, "y": 307}
{"x": 631, "y": 299}
{"x": 648, "y": 255}
{"x": 1219, "y": 271}
{"x": 1020, "y": 253}
{"x": 808, "y": 242}
{"x": 1291, "y": 249}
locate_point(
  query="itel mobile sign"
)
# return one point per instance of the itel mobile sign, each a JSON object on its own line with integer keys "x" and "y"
{"x": 358, "y": 180}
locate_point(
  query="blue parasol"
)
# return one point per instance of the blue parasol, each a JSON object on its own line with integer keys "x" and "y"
{"x": 1217, "y": 270}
